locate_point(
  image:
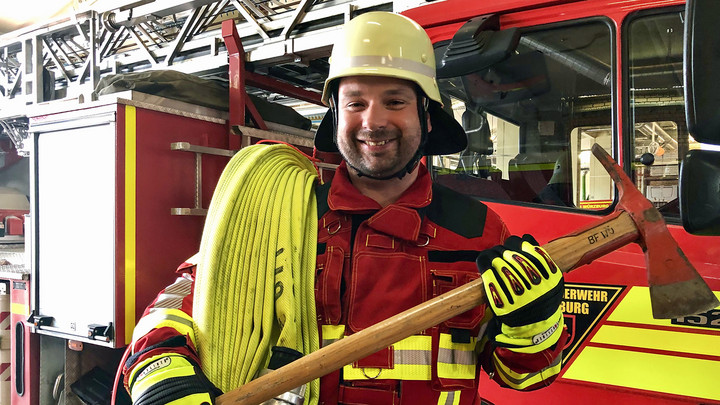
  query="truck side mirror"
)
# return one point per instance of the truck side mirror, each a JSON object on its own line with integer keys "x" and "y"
{"x": 700, "y": 192}
{"x": 701, "y": 65}
{"x": 700, "y": 169}
{"x": 477, "y": 45}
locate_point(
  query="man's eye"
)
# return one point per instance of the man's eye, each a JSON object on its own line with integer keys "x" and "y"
{"x": 396, "y": 103}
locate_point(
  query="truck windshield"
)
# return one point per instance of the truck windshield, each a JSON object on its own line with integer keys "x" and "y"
{"x": 532, "y": 119}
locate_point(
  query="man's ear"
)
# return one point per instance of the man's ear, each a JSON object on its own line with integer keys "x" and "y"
{"x": 429, "y": 123}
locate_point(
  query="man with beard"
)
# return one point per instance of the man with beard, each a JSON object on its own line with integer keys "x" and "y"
{"x": 389, "y": 239}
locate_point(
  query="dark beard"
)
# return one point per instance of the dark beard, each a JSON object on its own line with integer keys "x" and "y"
{"x": 393, "y": 163}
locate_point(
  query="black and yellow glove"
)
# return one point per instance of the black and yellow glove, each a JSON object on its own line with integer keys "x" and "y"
{"x": 524, "y": 288}
{"x": 170, "y": 379}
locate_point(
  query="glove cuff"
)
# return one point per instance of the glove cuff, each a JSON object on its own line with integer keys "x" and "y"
{"x": 169, "y": 377}
{"x": 534, "y": 337}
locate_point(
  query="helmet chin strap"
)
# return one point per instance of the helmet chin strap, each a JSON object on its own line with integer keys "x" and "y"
{"x": 422, "y": 107}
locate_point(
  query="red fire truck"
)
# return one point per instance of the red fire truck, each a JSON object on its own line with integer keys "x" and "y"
{"x": 578, "y": 73}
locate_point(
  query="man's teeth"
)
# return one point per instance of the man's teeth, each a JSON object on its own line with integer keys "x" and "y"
{"x": 373, "y": 143}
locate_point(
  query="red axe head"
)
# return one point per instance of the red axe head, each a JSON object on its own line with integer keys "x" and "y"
{"x": 676, "y": 288}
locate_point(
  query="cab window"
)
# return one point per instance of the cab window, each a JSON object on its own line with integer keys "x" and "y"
{"x": 657, "y": 106}
{"x": 532, "y": 119}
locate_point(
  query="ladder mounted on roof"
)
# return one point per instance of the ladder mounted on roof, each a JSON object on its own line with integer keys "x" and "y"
{"x": 65, "y": 58}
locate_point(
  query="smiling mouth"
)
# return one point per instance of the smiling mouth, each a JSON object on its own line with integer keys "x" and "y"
{"x": 377, "y": 143}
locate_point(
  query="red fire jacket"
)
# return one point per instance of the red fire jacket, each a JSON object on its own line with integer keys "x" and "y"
{"x": 375, "y": 262}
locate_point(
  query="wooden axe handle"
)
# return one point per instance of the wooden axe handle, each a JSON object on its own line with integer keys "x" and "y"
{"x": 587, "y": 244}
{"x": 568, "y": 252}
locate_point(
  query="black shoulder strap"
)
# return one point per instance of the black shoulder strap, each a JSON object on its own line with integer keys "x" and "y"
{"x": 452, "y": 210}
{"x": 457, "y": 212}
{"x": 321, "y": 193}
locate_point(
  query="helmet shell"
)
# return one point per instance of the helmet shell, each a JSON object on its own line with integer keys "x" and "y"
{"x": 381, "y": 43}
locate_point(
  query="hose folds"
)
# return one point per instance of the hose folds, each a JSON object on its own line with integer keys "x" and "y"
{"x": 255, "y": 277}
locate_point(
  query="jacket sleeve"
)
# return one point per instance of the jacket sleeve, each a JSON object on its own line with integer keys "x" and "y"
{"x": 524, "y": 371}
{"x": 166, "y": 325}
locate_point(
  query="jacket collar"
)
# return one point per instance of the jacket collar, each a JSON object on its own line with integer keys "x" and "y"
{"x": 344, "y": 196}
{"x": 401, "y": 219}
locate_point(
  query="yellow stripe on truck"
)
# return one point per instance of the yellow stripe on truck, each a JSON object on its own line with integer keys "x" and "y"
{"x": 646, "y": 371}
{"x": 676, "y": 341}
{"x": 19, "y": 309}
{"x": 635, "y": 308}
{"x": 634, "y": 350}
{"x": 130, "y": 211}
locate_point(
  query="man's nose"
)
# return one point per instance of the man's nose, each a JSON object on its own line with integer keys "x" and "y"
{"x": 375, "y": 117}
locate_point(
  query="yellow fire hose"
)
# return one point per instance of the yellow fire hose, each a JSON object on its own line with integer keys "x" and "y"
{"x": 255, "y": 277}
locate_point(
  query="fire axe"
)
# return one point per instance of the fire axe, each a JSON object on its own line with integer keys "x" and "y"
{"x": 676, "y": 290}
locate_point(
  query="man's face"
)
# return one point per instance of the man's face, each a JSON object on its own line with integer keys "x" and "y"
{"x": 378, "y": 123}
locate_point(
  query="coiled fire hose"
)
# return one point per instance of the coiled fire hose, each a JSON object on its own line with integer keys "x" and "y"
{"x": 254, "y": 287}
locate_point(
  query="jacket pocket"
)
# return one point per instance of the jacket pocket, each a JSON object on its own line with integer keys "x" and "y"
{"x": 447, "y": 279}
{"x": 454, "y": 364}
{"x": 327, "y": 284}
{"x": 383, "y": 285}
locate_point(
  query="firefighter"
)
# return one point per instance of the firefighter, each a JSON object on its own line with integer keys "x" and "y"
{"x": 389, "y": 239}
